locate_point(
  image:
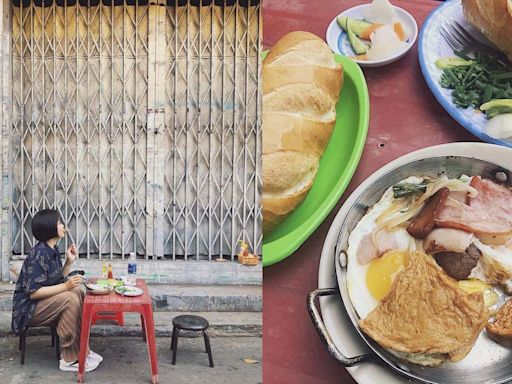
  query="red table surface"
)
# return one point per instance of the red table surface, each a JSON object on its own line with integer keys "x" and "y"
{"x": 404, "y": 116}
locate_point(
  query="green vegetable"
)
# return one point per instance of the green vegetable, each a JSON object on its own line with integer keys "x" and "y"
{"x": 497, "y": 107}
{"x": 451, "y": 62}
{"x": 357, "y": 26}
{"x": 358, "y": 45}
{"x": 476, "y": 81}
{"x": 408, "y": 189}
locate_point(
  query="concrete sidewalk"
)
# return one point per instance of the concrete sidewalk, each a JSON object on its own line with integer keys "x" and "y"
{"x": 126, "y": 361}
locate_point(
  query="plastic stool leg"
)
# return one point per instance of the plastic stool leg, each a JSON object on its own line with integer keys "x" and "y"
{"x": 57, "y": 345}
{"x": 208, "y": 348}
{"x": 174, "y": 346}
{"x": 52, "y": 330}
{"x": 23, "y": 341}
{"x": 173, "y": 336}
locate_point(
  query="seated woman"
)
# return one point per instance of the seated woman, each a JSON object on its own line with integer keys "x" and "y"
{"x": 45, "y": 296}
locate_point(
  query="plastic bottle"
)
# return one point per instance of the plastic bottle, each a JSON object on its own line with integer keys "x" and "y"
{"x": 104, "y": 270}
{"x": 132, "y": 269}
{"x": 110, "y": 274}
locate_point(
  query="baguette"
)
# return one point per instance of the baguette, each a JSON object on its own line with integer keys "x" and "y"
{"x": 494, "y": 19}
{"x": 301, "y": 85}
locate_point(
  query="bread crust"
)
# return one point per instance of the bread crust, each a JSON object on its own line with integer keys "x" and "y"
{"x": 501, "y": 329}
{"x": 494, "y": 19}
{"x": 301, "y": 86}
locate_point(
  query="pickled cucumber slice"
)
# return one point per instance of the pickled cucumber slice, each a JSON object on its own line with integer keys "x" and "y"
{"x": 357, "y": 26}
{"x": 358, "y": 45}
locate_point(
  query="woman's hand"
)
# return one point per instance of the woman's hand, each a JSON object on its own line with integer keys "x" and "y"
{"x": 71, "y": 254}
{"x": 73, "y": 282}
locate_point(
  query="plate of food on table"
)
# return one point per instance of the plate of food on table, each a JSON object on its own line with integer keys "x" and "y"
{"x": 465, "y": 53}
{"x": 102, "y": 286}
{"x": 128, "y": 290}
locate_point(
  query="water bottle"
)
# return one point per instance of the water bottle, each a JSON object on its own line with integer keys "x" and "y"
{"x": 132, "y": 269}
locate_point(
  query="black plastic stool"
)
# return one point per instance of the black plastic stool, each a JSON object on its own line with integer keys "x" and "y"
{"x": 23, "y": 342}
{"x": 190, "y": 323}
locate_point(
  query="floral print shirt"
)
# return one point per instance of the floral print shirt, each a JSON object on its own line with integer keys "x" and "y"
{"x": 41, "y": 268}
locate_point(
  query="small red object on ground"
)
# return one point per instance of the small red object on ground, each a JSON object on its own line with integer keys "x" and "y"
{"x": 114, "y": 302}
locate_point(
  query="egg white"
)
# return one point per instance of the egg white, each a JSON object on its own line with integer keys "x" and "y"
{"x": 360, "y": 296}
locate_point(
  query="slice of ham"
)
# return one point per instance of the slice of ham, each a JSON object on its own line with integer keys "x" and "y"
{"x": 488, "y": 214}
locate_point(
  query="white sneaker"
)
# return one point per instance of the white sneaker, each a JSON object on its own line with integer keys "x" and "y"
{"x": 95, "y": 356}
{"x": 90, "y": 365}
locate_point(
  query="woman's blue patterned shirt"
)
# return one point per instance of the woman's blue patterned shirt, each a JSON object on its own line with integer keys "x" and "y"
{"x": 41, "y": 268}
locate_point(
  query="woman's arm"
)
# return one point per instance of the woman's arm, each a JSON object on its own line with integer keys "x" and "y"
{"x": 66, "y": 268}
{"x": 71, "y": 255}
{"x": 52, "y": 290}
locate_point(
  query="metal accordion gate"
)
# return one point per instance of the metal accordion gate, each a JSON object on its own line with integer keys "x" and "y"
{"x": 138, "y": 122}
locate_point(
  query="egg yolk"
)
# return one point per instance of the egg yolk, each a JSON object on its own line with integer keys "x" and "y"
{"x": 382, "y": 271}
{"x": 474, "y": 285}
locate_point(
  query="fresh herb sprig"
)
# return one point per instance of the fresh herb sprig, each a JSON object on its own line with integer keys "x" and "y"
{"x": 407, "y": 189}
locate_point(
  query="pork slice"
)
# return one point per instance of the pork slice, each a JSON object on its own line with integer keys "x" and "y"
{"x": 488, "y": 214}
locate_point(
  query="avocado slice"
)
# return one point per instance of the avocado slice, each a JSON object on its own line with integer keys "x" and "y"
{"x": 357, "y": 26}
{"x": 358, "y": 45}
{"x": 451, "y": 62}
{"x": 497, "y": 107}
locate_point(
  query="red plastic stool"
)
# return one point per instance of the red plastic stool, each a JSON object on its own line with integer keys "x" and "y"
{"x": 115, "y": 316}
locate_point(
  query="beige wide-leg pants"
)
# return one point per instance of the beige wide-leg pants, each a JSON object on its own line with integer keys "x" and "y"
{"x": 64, "y": 310}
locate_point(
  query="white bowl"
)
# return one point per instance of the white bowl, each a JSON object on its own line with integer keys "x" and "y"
{"x": 338, "y": 40}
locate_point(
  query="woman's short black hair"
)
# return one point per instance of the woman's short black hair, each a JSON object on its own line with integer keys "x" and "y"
{"x": 44, "y": 224}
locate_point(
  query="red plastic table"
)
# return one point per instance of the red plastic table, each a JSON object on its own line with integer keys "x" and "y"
{"x": 114, "y": 302}
{"x": 404, "y": 116}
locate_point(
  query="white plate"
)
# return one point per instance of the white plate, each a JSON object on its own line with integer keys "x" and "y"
{"x": 338, "y": 39}
{"x": 337, "y": 322}
{"x": 129, "y": 291}
{"x": 432, "y": 46}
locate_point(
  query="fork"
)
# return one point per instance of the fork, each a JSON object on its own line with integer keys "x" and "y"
{"x": 459, "y": 39}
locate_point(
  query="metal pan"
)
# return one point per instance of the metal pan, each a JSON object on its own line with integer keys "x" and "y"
{"x": 487, "y": 362}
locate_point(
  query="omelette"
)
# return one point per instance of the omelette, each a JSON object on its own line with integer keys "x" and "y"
{"x": 426, "y": 318}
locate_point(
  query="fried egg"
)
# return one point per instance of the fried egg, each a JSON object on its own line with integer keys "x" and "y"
{"x": 369, "y": 282}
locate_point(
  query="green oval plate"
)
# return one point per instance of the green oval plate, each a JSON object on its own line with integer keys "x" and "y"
{"x": 337, "y": 167}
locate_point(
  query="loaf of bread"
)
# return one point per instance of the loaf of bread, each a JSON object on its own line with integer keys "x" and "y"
{"x": 301, "y": 86}
{"x": 494, "y": 19}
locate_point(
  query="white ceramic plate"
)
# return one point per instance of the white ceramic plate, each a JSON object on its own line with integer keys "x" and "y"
{"x": 432, "y": 46}
{"x": 129, "y": 291}
{"x": 97, "y": 289}
{"x": 337, "y": 322}
{"x": 338, "y": 39}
